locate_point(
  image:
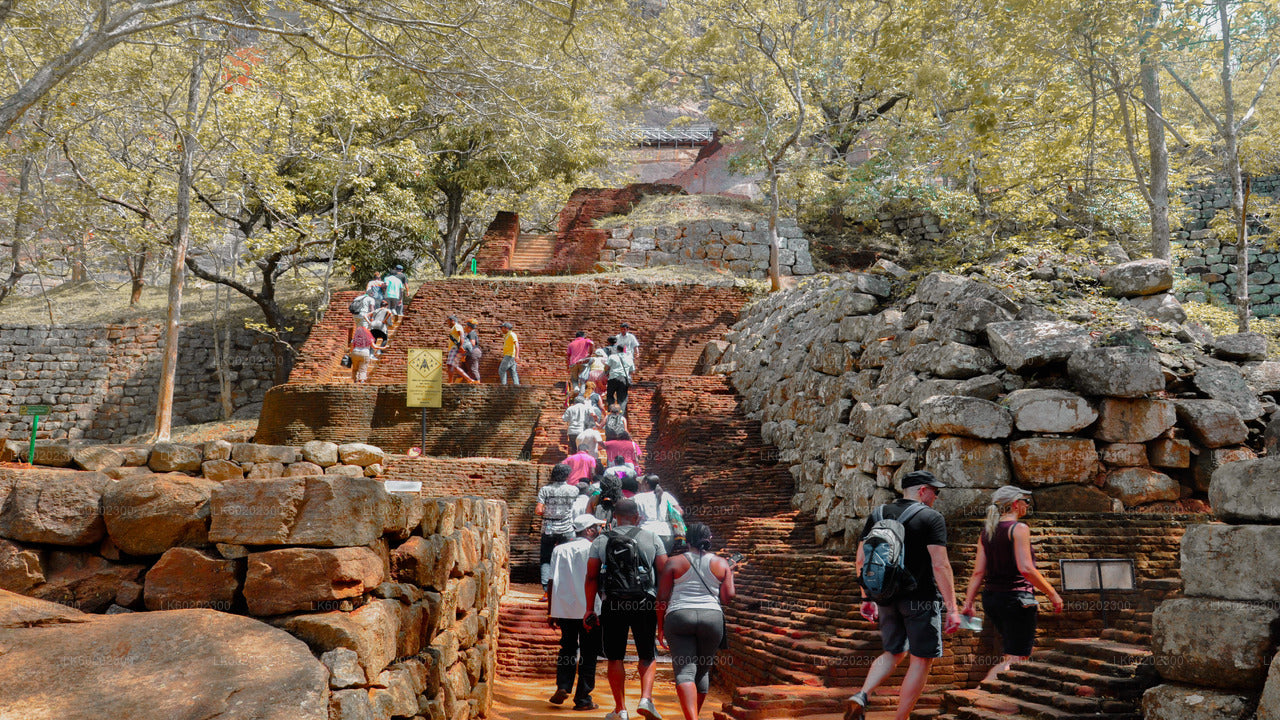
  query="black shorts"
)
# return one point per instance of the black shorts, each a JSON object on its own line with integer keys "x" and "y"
{"x": 378, "y": 334}
{"x": 619, "y": 616}
{"x": 914, "y": 626}
{"x": 1013, "y": 614}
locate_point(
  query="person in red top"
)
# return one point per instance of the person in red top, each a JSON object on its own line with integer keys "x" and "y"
{"x": 583, "y": 464}
{"x": 576, "y": 357}
{"x": 361, "y": 353}
{"x": 623, "y": 446}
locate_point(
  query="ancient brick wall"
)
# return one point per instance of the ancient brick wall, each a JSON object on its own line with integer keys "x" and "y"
{"x": 672, "y": 322}
{"x": 494, "y": 255}
{"x": 396, "y": 593}
{"x": 515, "y": 483}
{"x": 481, "y": 421}
{"x": 102, "y": 380}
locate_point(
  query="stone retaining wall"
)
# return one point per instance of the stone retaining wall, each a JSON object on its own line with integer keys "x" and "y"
{"x": 1214, "y": 263}
{"x": 102, "y": 380}
{"x": 740, "y": 247}
{"x": 396, "y": 594}
{"x": 959, "y": 380}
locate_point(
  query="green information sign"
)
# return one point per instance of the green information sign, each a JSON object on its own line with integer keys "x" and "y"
{"x": 34, "y": 410}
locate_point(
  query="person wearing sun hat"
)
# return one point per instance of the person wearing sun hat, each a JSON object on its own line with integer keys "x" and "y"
{"x": 1006, "y": 565}
{"x": 577, "y": 616}
{"x": 914, "y": 622}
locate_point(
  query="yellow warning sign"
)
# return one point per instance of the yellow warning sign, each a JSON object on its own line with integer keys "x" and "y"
{"x": 425, "y": 378}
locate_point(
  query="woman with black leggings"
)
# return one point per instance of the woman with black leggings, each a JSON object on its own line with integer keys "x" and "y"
{"x": 1006, "y": 564}
{"x": 692, "y": 591}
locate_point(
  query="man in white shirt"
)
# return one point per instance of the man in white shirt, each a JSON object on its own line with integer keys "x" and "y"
{"x": 620, "y": 369}
{"x": 576, "y": 417}
{"x": 567, "y": 609}
{"x": 629, "y": 344}
{"x": 590, "y": 439}
{"x": 657, "y": 509}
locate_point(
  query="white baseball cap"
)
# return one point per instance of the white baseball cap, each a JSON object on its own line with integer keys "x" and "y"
{"x": 584, "y": 521}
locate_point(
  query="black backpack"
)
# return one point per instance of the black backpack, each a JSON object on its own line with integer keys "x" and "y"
{"x": 614, "y": 426}
{"x": 884, "y": 574}
{"x": 357, "y": 305}
{"x": 626, "y": 573}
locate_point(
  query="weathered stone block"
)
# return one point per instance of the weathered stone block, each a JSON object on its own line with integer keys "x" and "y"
{"x": 149, "y": 514}
{"x": 1208, "y": 462}
{"x": 1116, "y": 371}
{"x": 321, "y": 453}
{"x": 1215, "y": 643}
{"x": 306, "y": 579}
{"x": 1050, "y": 411}
{"x": 963, "y": 462}
{"x": 1247, "y": 491}
{"x": 1139, "y": 277}
{"x": 360, "y": 454}
{"x": 1224, "y": 382}
{"x": 184, "y": 578}
{"x": 1241, "y": 346}
{"x": 1161, "y": 306}
{"x": 96, "y": 458}
{"x": 1072, "y": 498}
{"x": 1022, "y": 345}
{"x": 172, "y": 457}
{"x": 303, "y": 469}
{"x": 56, "y": 507}
{"x": 965, "y": 416}
{"x": 255, "y": 453}
{"x": 955, "y": 361}
{"x": 323, "y": 511}
{"x": 1053, "y": 461}
{"x": 1139, "y": 486}
{"x": 21, "y": 568}
{"x": 370, "y": 631}
{"x": 1169, "y": 453}
{"x": 1231, "y": 562}
{"x": 220, "y": 470}
{"x": 1214, "y": 424}
{"x": 1124, "y": 454}
{"x": 344, "y": 668}
{"x": 1181, "y": 702}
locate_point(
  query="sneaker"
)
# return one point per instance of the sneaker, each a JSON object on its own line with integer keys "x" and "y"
{"x": 588, "y": 705}
{"x": 560, "y": 696}
{"x": 616, "y": 715}
{"x": 857, "y": 706}
{"x": 647, "y": 710}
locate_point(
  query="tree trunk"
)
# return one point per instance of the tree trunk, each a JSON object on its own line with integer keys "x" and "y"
{"x": 178, "y": 271}
{"x": 1231, "y": 142}
{"x": 453, "y": 231}
{"x": 137, "y": 265}
{"x": 775, "y": 277}
{"x": 1159, "y": 152}
{"x": 21, "y": 217}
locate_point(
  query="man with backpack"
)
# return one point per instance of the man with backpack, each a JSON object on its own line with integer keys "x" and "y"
{"x": 906, "y": 582}
{"x": 624, "y": 563}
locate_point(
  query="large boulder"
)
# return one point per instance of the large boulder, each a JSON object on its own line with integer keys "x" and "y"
{"x": 328, "y": 511}
{"x": 425, "y": 561}
{"x": 371, "y": 631}
{"x": 1247, "y": 491}
{"x": 1139, "y": 277}
{"x": 85, "y": 581}
{"x": 55, "y": 507}
{"x": 1263, "y": 377}
{"x": 1216, "y": 643}
{"x": 96, "y": 458}
{"x": 1162, "y": 306}
{"x": 1133, "y": 421}
{"x": 1023, "y": 345}
{"x": 361, "y": 454}
{"x": 149, "y": 514}
{"x": 963, "y": 462}
{"x": 306, "y": 579}
{"x": 1180, "y": 702}
{"x": 1139, "y": 486}
{"x": 1209, "y": 461}
{"x": 20, "y": 611}
{"x": 1116, "y": 371}
{"x": 1241, "y": 346}
{"x": 1049, "y": 411}
{"x": 965, "y": 416}
{"x": 1053, "y": 461}
{"x": 160, "y": 665}
{"x": 956, "y": 361}
{"x": 173, "y": 457}
{"x": 1213, "y": 423}
{"x": 321, "y": 453}
{"x": 1232, "y": 562}
{"x": 185, "y": 578}
{"x": 1224, "y": 382}
{"x": 255, "y": 453}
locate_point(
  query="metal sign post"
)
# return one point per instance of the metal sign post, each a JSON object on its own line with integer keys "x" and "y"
{"x": 424, "y": 383}
{"x": 1098, "y": 574}
{"x": 35, "y": 411}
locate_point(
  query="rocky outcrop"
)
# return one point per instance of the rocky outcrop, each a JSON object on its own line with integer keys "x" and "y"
{"x": 961, "y": 379}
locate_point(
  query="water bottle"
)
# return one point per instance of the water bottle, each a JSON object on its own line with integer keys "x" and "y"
{"x": 971, "y": 622}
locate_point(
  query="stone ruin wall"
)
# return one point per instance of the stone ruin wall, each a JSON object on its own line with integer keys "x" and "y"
{"x": 962, "y": 381}
{"x": 739, "y": 247}
{"x": 1216, "y": 647}
{"x": 101, "y": 380}
{"x": 396, "y": 594}
{"x": 1207, "y": 259}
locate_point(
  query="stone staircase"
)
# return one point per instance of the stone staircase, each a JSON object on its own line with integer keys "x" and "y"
{"x": 1079, "y": 679}
{"x": 532, "y": 253}
{"x": 527, "y": 645}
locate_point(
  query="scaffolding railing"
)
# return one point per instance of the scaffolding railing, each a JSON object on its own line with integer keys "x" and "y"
{"x": 665, "y": 137}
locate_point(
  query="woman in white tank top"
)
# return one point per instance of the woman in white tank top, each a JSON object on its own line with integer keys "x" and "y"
{"x": 692, "y": 591}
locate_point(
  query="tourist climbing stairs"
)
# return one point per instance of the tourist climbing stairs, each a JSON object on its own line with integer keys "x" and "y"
{"x": 532, "y": 252}
{"x": 1088, "y": 678}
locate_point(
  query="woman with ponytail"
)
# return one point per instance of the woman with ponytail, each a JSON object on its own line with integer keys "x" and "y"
{"x": 1007, "y": 565}
{"x": 692, "y": 591}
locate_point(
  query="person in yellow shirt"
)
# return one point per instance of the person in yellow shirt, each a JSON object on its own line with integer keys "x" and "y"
{"x": 510, "y": 355}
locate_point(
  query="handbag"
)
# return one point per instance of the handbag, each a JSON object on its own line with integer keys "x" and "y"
{"x": 346, "y": 360}
{"x": 724, "y": 623}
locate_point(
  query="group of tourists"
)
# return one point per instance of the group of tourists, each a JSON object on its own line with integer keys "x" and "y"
{"x": 607, "y": 370}
{"x": 375, "y": 315}
{"x": 914, "y": 600}
{"x": 464, "y": 347}
{"x": 625, "y": 565}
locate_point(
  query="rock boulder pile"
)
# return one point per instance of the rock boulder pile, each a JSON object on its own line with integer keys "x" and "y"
{"x": 983, "y": 391}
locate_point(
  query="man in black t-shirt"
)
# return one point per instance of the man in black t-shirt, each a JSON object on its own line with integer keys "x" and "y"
{"x": 914, "y": 622}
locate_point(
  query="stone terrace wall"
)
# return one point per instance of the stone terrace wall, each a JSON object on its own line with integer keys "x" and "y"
{"x": 102, "y": 380}
{"x": 484, "y": 421}
{"x": 515, "y": 483}
{"x": 680, "y": 318}
{"x": 959, "y": 380}
{"x": 1216, "y": 647}
{"x": 1215, "y": 263}
{"x": 742, "y": 248}
{"x": 397, "y": 594}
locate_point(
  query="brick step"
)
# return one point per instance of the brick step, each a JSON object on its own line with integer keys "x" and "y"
{"x": 1067, "y": 681}
{"x": 1107, "y": 651}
